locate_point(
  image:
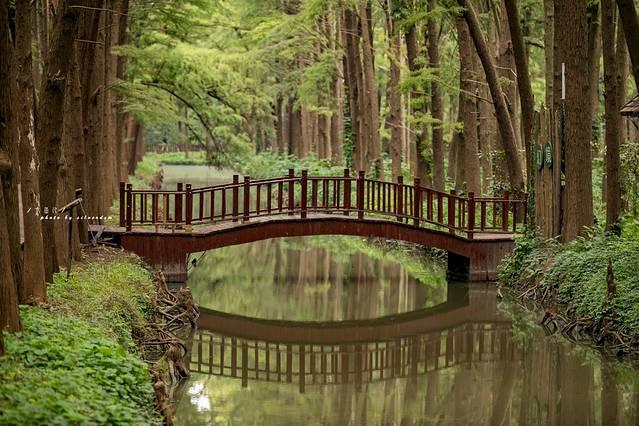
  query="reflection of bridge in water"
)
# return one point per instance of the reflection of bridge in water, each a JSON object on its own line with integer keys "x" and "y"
{"x": 466, "y": 329}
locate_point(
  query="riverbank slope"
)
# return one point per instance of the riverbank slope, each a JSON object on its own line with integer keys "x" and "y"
{"x": 589, "y": 288}
{"x": 76, "y": 361}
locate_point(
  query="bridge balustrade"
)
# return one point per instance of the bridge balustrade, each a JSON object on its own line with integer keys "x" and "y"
{"x": 304, "y": 195}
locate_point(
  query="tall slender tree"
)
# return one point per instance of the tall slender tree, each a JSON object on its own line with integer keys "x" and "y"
{"x": 437, "y": 110}
{"x": 612, "y": 118}
{"x": 9, "y": 317}
{"x": 506, "y": 128}
{"x": 50, "y": 121}
{"x": 33, "y": 288}
{"x": 571, "y": 49}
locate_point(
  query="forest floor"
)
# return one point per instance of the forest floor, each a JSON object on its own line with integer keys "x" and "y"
{"x": 589, "y": 289}
{"x": 80, "y": 358}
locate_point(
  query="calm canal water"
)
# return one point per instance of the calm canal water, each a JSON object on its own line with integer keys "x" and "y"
{"x": 343, "y": 331}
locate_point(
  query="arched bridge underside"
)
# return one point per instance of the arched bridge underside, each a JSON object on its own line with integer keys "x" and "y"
{"x": 359, "y": 352}
{"x": 164, "y": 226}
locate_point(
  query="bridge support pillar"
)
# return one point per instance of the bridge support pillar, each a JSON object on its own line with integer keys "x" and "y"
{"x": 481, "y": 264}
{"x": 168, "y": 258}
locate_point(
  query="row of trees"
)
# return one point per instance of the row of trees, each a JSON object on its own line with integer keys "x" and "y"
{"x": 62, "y": 127}
{"x": 447, "y": 90}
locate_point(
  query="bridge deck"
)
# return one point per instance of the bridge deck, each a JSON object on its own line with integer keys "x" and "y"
{"x": 213, "y": 228}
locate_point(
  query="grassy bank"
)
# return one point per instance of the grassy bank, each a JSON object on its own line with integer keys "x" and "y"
{"x": 571, "y": 282}
{"x": 75, "y": 361}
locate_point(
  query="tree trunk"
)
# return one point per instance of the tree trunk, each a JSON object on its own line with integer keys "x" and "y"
{"x": 371, "y": 111}
{"x": 612, "y": 117}
{"x": 9, "y": 316}
{"x": 50, "y": 123}
{"x": 468, "y": 86}
{"x": 120, "y": 68}
{"x": 523, "y": 82}
{"x": 337, "y": 119}
{"x": 549, "y": 27}
{"x": 621, "y": 60}
{"x": 33, "y": 288}
{"x": 394, "y": 95}
{"x": 89, "y": 24}
{"x": 437, "y": 110}
{"x": 506, "y": 128}
{"x": 628, "y": 15}
{"x": 77, "y": 135}
{"x": 353, "y": 73}
{"x": 572, "y": 49}
{"x": 412, "y": 54}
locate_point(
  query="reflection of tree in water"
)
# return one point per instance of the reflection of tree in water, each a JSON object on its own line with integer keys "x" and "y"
{"x": 483, "y": 378}
{"x": 293, "y": 279}
{"x": 536, "y": 379}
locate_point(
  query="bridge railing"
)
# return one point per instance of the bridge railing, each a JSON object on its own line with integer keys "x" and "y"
{"x": 303, "y": 194}
{"x": 358, "y": 363}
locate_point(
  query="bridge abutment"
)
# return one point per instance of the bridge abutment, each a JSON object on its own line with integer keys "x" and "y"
{"x": 480, "y": 265}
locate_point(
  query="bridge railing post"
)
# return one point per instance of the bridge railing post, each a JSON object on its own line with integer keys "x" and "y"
{"x": 129, "y": 207}
{"x": 505, "y": 207}
{"x": 304, "y": 196}
{"x": 189, "y": 206}
{"x": 122, "y": 203}
{"x": 178, "y": 203}
{"x": 347, "y": 191}
{"x": 417, "y": 201}
{"x": 236, "y": 195}
{"x": 247, "y": 199}
{"x": 451, "y": 210}
{"x": 360, "y": 194}
{"x": 291, "y": 192}
{"x": 399, "y": 207}
{"x": 471, "y": 215}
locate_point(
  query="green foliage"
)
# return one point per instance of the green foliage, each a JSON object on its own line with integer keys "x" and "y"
{"x": 63, "y": 370}
{"x": 578, "y": 273}
{"x": 269, "y": 164}
{"x": 115, "y": 295}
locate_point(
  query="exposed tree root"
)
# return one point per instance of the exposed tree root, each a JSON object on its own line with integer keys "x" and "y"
{"x": 163, "y": 341}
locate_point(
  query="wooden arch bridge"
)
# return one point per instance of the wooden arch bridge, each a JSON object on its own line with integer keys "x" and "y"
{"x": 164, "y": 226}
{"x": 459, "y": 332}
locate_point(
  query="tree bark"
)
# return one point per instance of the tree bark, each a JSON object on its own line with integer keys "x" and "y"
{"x": 572, "y": 49}
{"x": 395, "y": 97}
{"x": 33, "y": 288}
{"x": 506, "y": 128}
{"x": 50, "y": 121}
{"x": 523, "y": 83}
{"x": 9, "y": 315}
{"x": 612, "y": 117}
{"x": 468, "y": 86}
{"x": 120, "y": 68}
{"x": 549, "y": 27}
{"x": 337, "y": 119}
{"x": 353, "y": 74}
{"x": 369, "y": 94}
{"x": 628, "y": 15}
{"x": 436, "y": 109}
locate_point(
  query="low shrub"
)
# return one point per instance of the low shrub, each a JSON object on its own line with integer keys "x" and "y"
{"x": 62, "y": 370}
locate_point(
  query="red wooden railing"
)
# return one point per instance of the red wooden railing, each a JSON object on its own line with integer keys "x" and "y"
{"x": 305, "y": 195}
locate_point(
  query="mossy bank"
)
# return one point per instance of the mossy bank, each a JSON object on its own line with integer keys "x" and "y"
{"x": 575, "y": 286}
